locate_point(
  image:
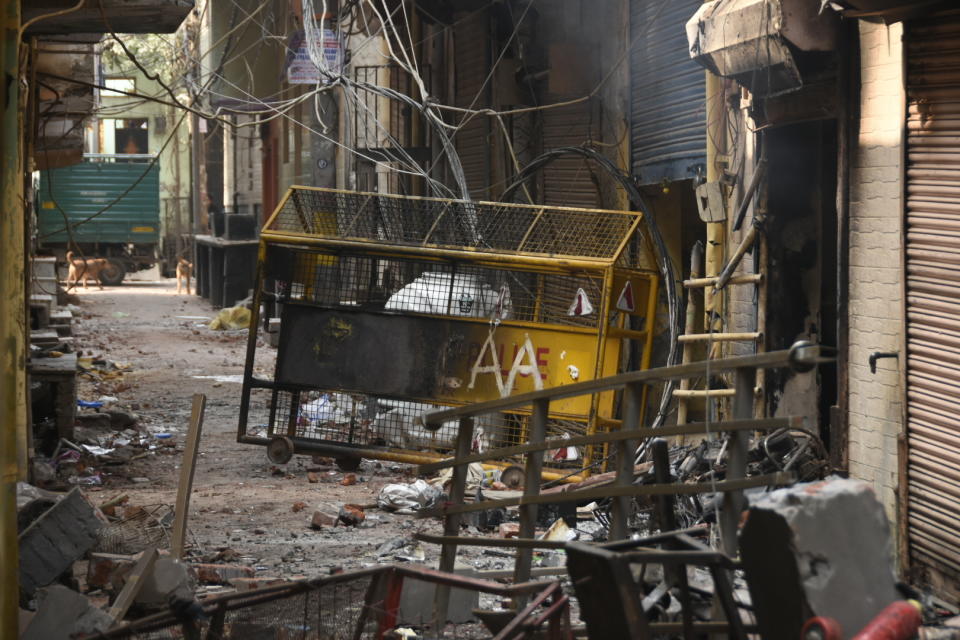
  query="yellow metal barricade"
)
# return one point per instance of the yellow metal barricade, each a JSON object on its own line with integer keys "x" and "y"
{"x": 390, "y": 306}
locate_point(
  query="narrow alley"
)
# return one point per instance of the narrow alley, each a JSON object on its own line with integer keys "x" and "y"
{"x": 486, "y": 319}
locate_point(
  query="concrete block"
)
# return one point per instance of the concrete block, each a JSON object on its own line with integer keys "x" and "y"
{"x": 416, "y": 601}
{"x": 45, "y": 267}
{"x": 220, "y": 573}
{"x": 170, "y": 578}
{"x": 818, "y": 549}
{"x": 63, "y": 614}
{"x": 50, "y": 545}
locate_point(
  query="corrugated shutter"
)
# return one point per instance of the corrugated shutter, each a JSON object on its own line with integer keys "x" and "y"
{"x": 667, "y": 116}
{"x": 568, "y": 181}
{"x": 471, "y": 65}
{"x": 933, "y": 302}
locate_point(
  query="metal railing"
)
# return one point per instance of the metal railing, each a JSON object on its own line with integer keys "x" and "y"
{"x": 802, "y": 356}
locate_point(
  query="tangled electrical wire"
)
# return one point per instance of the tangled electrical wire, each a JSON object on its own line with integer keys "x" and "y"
{"x": 664, "y": 264}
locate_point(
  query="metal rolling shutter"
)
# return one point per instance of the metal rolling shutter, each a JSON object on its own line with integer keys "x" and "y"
{"x": 471, "y": 65}
{"x": 667, "y": 116}
{"x": 933, "y": 302}
{"x": 568, "y": 181}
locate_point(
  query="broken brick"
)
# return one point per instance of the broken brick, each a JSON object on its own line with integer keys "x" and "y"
{"x": 352, "y": 514}
{"x": 298, "y": 507}
{"x": 249, "y": 584}
{"x": 109, "y": 570}
{"x": 509, "y": 529}
{"x": 312, "y": 478}
{"x": 220, "y": 573}
{"x": 349, "y": 479}
{"x": 323, "y": 519}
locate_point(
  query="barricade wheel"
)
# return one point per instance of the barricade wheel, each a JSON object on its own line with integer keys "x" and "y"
{"x": 280, "y": 450}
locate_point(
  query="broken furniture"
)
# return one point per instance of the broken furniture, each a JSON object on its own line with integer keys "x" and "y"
{"x": 625, "y": 445}
{"x": 611, "y": 596}
{"x": 347, "y": 606}
{"x": 394, "y": 305}
{"x": 223, "y": 269}
{"x": 60, "y": 376}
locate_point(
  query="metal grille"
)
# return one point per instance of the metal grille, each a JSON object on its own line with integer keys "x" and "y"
{"x": 300, "y": 612}
{"x": 455, "y": 224}
{"x": 432, "y": 287}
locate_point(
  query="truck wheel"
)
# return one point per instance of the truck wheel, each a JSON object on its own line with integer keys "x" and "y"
{"x": 113, "y": 274}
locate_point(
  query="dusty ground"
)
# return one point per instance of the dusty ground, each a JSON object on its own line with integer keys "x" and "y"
{"x": 240, "y": 500}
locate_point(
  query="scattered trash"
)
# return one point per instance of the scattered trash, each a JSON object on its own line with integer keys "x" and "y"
{"x": 406, "y": 549}
{"x": 238, "y": 379}
{"x": 231, "y": 318}
{"x": 97, "y": 451}
{"x": 559, "y": 532}
{"x": 408, "y": 498}
{"x": 84, "y": 404}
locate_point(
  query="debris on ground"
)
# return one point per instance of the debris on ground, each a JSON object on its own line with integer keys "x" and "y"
{"x": 406, "y": 499}
{"x": 352, "y": 515}
{"x": 231, "y": 319}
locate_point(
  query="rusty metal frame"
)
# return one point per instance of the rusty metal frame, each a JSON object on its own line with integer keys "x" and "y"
{"x": 381, "y": 602}
{"x": 801, "y": 356}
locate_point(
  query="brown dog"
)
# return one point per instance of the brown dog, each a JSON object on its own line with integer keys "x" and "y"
{"x": 84, "y": 269}
{"x": 184, "y": 269}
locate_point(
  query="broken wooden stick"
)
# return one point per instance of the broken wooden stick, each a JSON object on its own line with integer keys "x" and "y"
{"x": 179, "y": 535}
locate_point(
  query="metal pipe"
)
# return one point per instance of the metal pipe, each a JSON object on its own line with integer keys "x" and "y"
{"x": 12, "y": 340}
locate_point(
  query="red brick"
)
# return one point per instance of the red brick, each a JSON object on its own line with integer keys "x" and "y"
{"x": 323, "y": 519}
{"x": 220, "y": 573}
{"x": 249, "y": 584}
{"x": 108, "y": 570}
{"x": 509, "y": 530}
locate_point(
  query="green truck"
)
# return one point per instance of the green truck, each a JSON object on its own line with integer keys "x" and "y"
{"x": 111, "y": 203}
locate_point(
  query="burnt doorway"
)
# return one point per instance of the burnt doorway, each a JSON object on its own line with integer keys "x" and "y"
{"x": 801, "y": 268}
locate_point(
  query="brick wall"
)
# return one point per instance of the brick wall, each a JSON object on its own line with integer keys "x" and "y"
{"x": 876, "y": 273}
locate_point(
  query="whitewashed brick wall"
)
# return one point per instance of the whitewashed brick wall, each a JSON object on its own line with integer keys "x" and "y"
{"x": 876, "y": 273}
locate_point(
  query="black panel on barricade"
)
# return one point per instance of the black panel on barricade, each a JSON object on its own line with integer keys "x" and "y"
{"x": 387, "y": 355}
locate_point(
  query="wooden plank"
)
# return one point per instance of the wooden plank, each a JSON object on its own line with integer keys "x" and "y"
{"x": 703, "y": 393}
{"x": 128, "y": 594}
{"x": 692, "y": 428}
{"x": 719, "y": 337}
{"x": 699, "y": 283}
{"x": 188, "y": 465}
{"x": 781, "y": 478}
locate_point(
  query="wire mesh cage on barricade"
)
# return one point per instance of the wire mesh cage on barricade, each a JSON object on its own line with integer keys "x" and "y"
{"x": 391, "y": 306}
